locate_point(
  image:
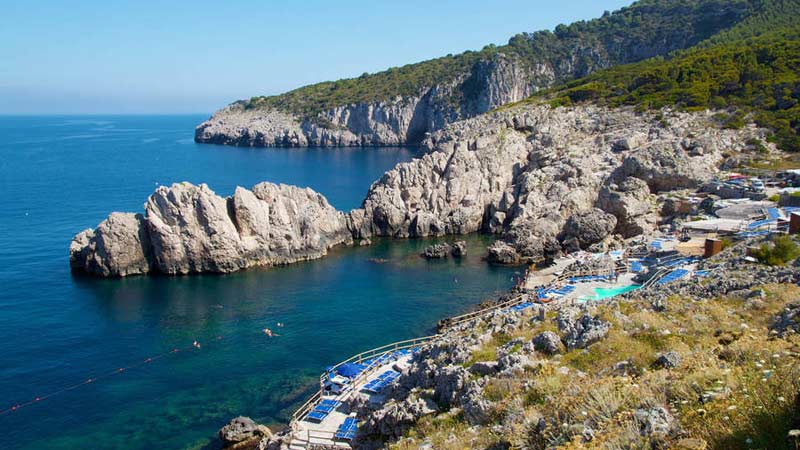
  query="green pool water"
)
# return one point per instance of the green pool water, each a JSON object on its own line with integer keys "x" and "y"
{"x": 604, "y": 293}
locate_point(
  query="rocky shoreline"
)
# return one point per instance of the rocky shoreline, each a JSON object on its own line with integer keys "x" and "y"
{"x": 545, "y": 180}
{"x": 445, "y": 379}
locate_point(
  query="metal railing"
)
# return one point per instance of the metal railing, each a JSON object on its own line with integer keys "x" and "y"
{"x": 309, "y": 405}
{"x": 458, "y": 320}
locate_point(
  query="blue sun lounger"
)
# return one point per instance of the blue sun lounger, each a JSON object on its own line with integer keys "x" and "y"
{"x": 347, "y": 430}
{"x": 321, "y": 411}
{"x": 675, "y": 275}
{"x": 637, "y": 267}
{"x": 383, "y": 380}
{"x": 521, "y": 307}
{"x": 752, "y": 234}
{"x": 774, "y": 213}
{"x": 759, "y": 224}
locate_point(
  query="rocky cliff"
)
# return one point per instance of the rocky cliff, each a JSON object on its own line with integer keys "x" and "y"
{"x": 401, "y": 105}
{"x": 547, "y": 180}
{"x": 189, "y": 229}
{"x": 525, "y": 172}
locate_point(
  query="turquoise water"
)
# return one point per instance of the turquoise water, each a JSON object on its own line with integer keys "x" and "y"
{"x": 604, "y": 293}
{"x": 59, "y": 175}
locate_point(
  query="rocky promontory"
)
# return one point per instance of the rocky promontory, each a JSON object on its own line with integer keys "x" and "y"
{"x": 546, "y": 180}
{"x": 189, "y": 229}
{"x": 400, "y": 106}
{"x": 544, "y": 177}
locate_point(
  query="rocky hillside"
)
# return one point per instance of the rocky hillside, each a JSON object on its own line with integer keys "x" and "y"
{"x": 695, "y": 365}
{"x": 401, "y": 105}
{"x": 547, "y": 179}
{"x": 713, "y": 368}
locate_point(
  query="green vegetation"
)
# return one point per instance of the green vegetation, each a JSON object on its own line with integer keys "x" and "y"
{"x": 782, "y": 250}
{"x": 756, "y": 78}
{"x": 645, "y": 29}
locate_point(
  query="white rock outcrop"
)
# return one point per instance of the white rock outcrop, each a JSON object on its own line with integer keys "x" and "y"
{"x": 189, "y": 229}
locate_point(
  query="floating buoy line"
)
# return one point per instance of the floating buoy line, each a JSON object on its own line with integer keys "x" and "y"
{"x": 194, "y": 346}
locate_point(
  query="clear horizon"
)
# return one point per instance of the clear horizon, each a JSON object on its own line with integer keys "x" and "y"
{"x": 193, "y": 58}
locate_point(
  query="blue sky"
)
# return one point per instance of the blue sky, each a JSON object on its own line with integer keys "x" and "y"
{"x": 110, "y": 56}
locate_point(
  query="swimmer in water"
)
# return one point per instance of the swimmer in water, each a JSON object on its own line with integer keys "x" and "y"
{"x": 280, "y": 324}
{"x": 196, "y": 344}
{"x": 268, "y": 332}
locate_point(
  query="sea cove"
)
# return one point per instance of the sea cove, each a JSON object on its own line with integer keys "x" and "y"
{"x": 62, "y": 174}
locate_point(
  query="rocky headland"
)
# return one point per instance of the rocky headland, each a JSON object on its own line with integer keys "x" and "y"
{"x": 544, "y": 179}
{"x": 189, "y": 229}
{"x": 401, "y": 105}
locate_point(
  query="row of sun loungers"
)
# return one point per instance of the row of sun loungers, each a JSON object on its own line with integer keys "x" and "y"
{"x": 774, "y": 214}
{"x": 760, "y": 224}
{"x": 381, "y": 382}
{"x": 675, "y": 275}
{"x": 679, "y": 262}
{"x": 347, "y": 430}
{"x": 587, "y": 278}
{"x": 551, "y": 292}
{"x": 752, "y": 234}
{"x": 521, "y": 307}
{"x": 321, "y": 411}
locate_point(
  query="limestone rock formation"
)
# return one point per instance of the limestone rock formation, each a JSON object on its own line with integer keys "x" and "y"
{"x": 120, "y": 246}
{"x": 399, "y": 106}
{"x": 529, "y": 171}
{"x": 242, "y": 429}
{"x": 189, "y": 229}
{"x": 589, "y": 227}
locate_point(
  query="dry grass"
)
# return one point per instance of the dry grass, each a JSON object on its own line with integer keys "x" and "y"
{"x": 735, "y": 388}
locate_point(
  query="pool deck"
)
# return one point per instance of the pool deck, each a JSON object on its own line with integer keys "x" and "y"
{"x": 587, "y": 290}
{"x": 309, "y": 433}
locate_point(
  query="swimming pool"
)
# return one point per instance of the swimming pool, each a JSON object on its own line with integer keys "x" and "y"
{"x": 604, "y": 293}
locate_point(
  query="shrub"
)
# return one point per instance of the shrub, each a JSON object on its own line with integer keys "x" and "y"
{"x": 782, "y": 250}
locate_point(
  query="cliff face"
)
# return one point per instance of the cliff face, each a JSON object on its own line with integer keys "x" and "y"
{"x": 526, "y": 172}
{"x": 400, "y": 106}
{"x": 547, "y": 180}
{"x": 189, "y": 229}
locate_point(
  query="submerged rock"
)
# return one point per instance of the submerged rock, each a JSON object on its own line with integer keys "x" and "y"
{"x": 459, "y": 249}
{"x": 437, "y": 251}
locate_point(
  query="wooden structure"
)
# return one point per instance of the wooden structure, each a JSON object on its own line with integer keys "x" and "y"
{"x": 794, "y": 223}
{"x": 713, "y": 247}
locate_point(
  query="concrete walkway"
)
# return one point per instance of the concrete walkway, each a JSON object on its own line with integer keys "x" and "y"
{"x": 308, "y": 432}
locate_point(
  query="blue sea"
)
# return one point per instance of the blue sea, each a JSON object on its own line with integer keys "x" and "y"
{"x": 112, "y": 362}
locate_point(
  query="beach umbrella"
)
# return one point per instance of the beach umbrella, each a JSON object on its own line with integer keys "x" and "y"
{"x": 350, "y": 370}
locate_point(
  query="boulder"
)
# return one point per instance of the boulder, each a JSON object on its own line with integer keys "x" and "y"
{"x": 583, "y": 331}
{"x": 668, "y": 360}
{"x": 437, "y": 251}
{"x": 477, "y": 409}
{"x": 501, "y": 253}
{"x": 655, "y": 422}
{"x": 788, "y": 321}
{"x": 631, "y": 203}
{"x": 548, "y": 343}
{"x": 242, "y": 429}
{"x": 589, "y": 227}
{"x": 459, "y": 249}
